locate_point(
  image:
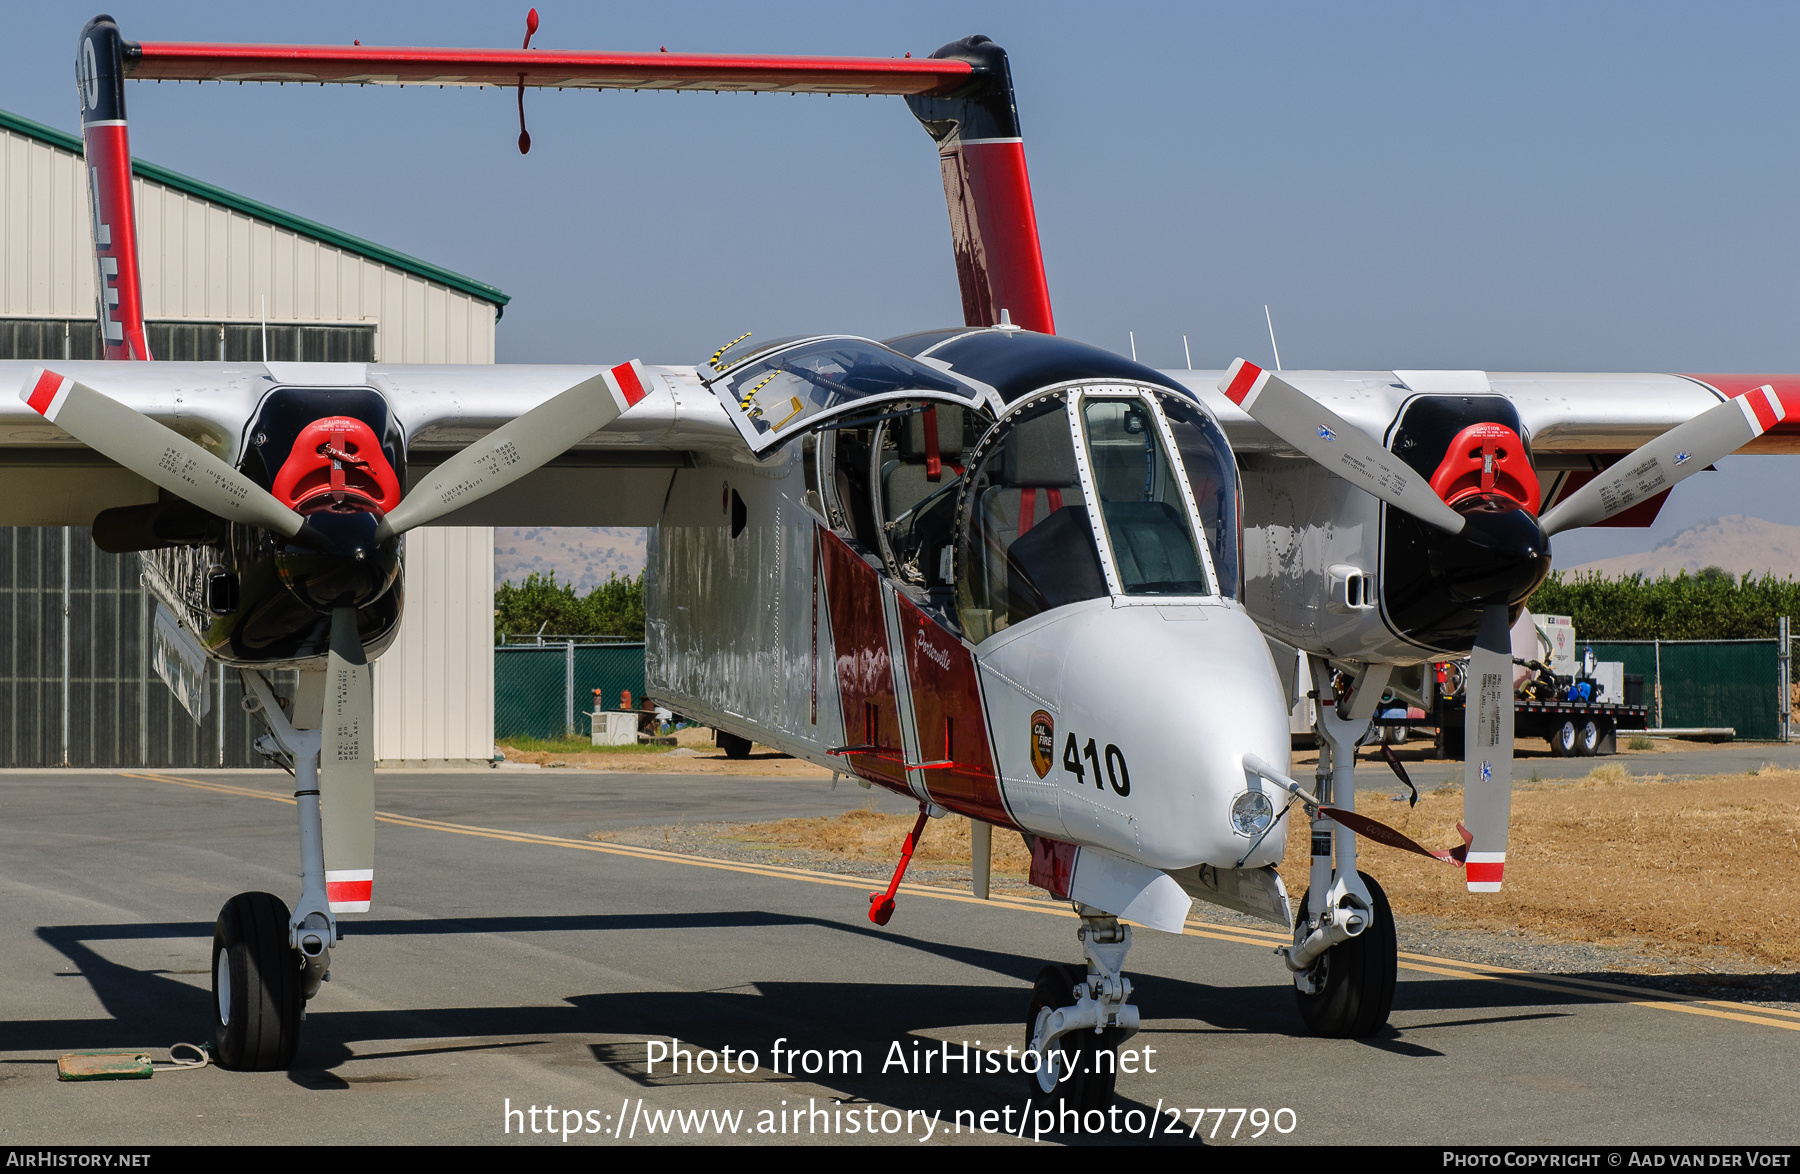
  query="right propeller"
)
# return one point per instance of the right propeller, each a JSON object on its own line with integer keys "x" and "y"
{"x": 1504, "y": 532}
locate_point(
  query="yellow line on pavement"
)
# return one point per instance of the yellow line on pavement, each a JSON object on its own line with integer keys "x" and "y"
{"x": 1565, "y": 984}
{"x": 1423, "y": 963}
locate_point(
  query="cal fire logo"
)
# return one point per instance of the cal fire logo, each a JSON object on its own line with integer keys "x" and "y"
{"x": 1043, "y": 742}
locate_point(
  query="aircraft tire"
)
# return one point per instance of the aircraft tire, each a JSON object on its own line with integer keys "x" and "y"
{"x": 734, "y": 746}
{"x": 257, "y": 993}
{"x": 1359, "y": 978}
{"x": 1091, "y": 1087}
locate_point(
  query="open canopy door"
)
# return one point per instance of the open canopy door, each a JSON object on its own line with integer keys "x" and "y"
{"x": 797, "y": 385}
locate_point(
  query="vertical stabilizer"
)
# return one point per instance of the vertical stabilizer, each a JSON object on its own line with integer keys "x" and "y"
{"x": 100, "y": 78}
{"x": 993, "y": 225}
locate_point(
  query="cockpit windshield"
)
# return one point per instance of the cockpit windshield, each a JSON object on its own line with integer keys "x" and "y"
{"x": 1141, "y": 500}
{"x": 1034, "y": 533}
{"x": 785, "y": 390}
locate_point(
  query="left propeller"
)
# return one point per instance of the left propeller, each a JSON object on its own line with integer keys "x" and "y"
{"x": 158, "y": 454}
{"x": 173, "y": 462}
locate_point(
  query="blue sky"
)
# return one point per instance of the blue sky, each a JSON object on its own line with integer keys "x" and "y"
{"x": 1518, "y": 187}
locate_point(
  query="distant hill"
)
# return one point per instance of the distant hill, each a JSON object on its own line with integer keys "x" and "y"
{"x": 582, "y": 555}
{"x": 1738, "y": 544}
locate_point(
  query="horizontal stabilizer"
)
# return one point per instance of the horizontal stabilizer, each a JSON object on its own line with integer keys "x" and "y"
{"x": 562, "y": 69}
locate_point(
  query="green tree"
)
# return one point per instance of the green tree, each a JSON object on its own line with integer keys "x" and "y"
{"x": 1713, "y": 605}
{"x": 541, "y": 604}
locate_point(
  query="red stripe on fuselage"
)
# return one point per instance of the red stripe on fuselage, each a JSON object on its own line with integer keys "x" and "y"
{"x": 865, "y": 673}
{"x": 44, "y": 392}
{"x": 947, "y": 711}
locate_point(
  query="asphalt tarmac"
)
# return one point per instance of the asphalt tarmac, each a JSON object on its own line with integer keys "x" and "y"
{"x": 511, "y": 962}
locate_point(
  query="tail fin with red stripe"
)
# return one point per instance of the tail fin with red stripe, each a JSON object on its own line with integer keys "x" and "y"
{"x": 100, "y": 78}
{"x": 993, "y": 223}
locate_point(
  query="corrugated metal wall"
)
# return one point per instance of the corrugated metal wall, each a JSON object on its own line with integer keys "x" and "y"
{"x": 434, "y": 687}
{"x": 118, "y": 711}
{"x": 204, "y": 261}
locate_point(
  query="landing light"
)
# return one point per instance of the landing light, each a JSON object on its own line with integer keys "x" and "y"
{"x": 1251, "y": 813}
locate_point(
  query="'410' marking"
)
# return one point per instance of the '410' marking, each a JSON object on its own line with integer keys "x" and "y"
{"x": 1116, "y": 773}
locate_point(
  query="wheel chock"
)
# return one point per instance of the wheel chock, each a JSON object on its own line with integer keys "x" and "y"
{"x": 134, "y": 1065}
{"x": 104, "y": 1066}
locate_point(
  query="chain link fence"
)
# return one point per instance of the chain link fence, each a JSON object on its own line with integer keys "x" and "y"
{"x": 545, "y": 689}
{"x": 1710, "y": 684}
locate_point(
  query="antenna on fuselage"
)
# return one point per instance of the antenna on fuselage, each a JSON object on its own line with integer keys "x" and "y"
{"x": 1132, "y": 334}
{"x": 265, "y": 327}
{"x": 1187, "y": 352}
{"x": 1271, "y": 321}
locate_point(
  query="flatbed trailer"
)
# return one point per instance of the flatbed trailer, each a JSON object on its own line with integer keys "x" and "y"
{"x": 1573, "y": 728}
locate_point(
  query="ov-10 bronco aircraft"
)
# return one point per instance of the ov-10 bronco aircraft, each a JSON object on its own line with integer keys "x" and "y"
{"x": 1009, "y": 575}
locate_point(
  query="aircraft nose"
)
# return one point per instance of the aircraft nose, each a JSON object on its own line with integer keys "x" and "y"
{"x": 1159, "y": 706}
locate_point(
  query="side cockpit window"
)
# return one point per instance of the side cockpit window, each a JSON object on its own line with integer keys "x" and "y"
{"x": 1026, "y": 544}
{"x": 1212, "y": 476}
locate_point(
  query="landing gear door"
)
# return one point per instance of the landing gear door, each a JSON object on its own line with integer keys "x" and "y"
{"x": 799, "y": 385}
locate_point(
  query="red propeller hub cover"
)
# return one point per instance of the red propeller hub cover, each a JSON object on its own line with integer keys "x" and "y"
{"x": 1487, "y": 459}
{"x": 338, "y": 458}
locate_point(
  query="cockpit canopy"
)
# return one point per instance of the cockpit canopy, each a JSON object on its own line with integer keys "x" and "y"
{"x": 793, "y": 385}
{"x": 1095, "y": 490}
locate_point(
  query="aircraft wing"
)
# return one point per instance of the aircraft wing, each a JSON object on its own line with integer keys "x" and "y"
{"x": 1578, "y": 423}
{"x": 617, "y": 476}
{"x": 1565, "y": 412}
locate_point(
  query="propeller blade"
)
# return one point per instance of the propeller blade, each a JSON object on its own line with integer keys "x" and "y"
{"x": 1488, "y": 750}
{"x": 347, "y": 769}
{"x": 1672, "y": 457}
{"x": 155, "y": 453}
{"x": 521, "y": 446}
{"x": 1327, "y": 438}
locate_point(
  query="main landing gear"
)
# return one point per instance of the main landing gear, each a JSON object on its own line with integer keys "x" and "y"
{"x": 1079, "y": 1015}
{"x": 267, "y": 962}
{"x": 1345, "y": 956}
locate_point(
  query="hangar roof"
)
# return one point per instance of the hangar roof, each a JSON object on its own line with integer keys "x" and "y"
{"x": 325, "y": 234}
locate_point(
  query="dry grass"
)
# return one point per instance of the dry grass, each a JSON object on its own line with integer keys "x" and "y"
{"x": 1685, "y": 865}
{"x": 870, "y": 835}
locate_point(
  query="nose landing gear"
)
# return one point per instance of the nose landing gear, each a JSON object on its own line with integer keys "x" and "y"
{"x": 257, "y": 985}
{"x": 267, "y": 962}
{"x": 1348, "y": 989}
{"x": 1079, "y": 1016}
{"x": 1345, "y": 956}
